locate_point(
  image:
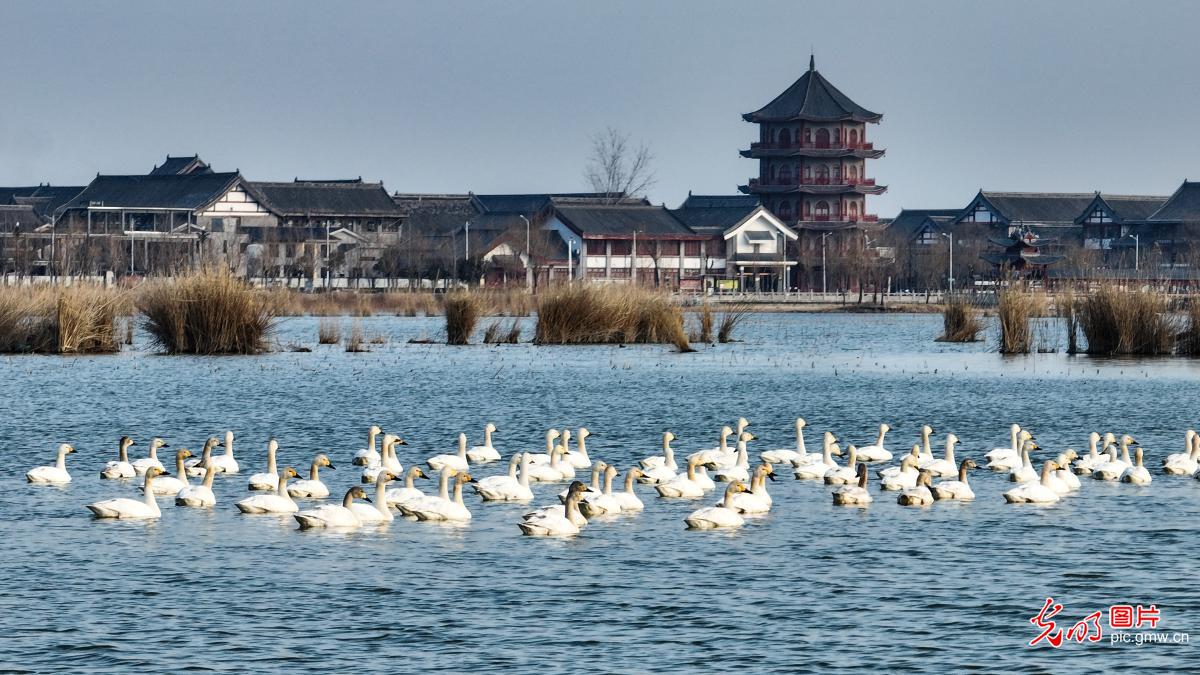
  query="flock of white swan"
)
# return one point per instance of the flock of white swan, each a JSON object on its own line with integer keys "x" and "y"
{"x": 275, "y": 491}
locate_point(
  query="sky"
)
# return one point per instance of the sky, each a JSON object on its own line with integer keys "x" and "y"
{"x": 497, "y": 97}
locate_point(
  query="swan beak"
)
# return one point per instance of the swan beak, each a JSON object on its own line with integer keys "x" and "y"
{"x": 366, "y": 499}
{"x": 401, "y": 442}
{"x": 473, "y": 480}
{"x": 331, "y": 466}
{"x": 771, "y": 476}
{"x": 164, "y": 445}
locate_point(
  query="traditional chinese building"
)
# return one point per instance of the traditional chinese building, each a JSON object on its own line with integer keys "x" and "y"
{"x": 1022, "y": 254}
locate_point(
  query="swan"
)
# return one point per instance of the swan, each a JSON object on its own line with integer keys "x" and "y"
{"x": 756, "y": 499}
{"x": 1025, "y": 473}
{"x": 1136, "y": 474}
{"x": 481, "y": 454}
{"x": 905, "y": 478}
{"x": 918, "y": 495}
{"x": 377, "y": 512}
{"x": 551, "y": 524}
{"x": 1009, "y": 462}
{"x": 889, "y": 471}
{"x": 628, "y": 498}
{"x": 225, "y": 463}
{"x": 720, "y": 516}
{"x": 1062, "y": 480}
{"x": 198, "y": 495}
{"x": 1013, "y": 451}
{"x": 387, "y": 459}
{"x": 510, "y": 487}
{"x": 1088, "y": 463}
{"x": 370, "y": 454}
{"x": 312, "y": 487}
{"x": 854, "y": 495}
{"x": 719, "y": 455}
{"x": 926, "y": 449}
{"x": 195, "y": 466}
{"x": 683, "y": 485}
{"x": 436, "y": 508}
{"x": 741, "y": 468}
{"x": 580, "y": 459}
{"x": 536, "y": 458}
{"x": 876, "y": 452}
{"x": 332, "y": 515}
{"x": 956, "y": 490}
{"x": 278, "y": 502}
{"x": 1112, "y": 469}
{"x": 796, "y": 456}
{"x": 945, "y": 467}
{"x": 458, "y": 462}
{"x": 442, "y": 495}
{"x": 1037, "y": 492}
{"x": 268, "y": 480}
{"x": 817, "y": 470}
{"x": 594, "y": 488}
{"x": 124, "y": 507}
{"x": 1184, "y": 463}
{"x": 397, "y": 496}
{"x": 55, "y": 474}
{"x": 660, "y": 468}
{"x": 552, "y": 472}
{"x": 844, "y": 475}
{"x": 575, "y": 490}
{"x": 605, "y": 503}
{"x": 121, "y": 468}
{"x": 171, "y": 485}
{"x": 141, "y": 464}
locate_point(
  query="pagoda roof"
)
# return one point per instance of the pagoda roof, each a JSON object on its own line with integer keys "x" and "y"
{"x": 1013, "y": 242}
{"x": 1182, "y": 206}
{"x": 1027, "y": 258}
{"x": 812, "y": 98}
{"x": 180, "y": 166}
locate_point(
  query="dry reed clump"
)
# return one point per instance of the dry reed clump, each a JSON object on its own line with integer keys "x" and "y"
{"x": 329, "y": 331}
{"x": 491, "y": 334}
{"x": 1015, "y": 308}
{"x": 356, "y": 343}
{"x": 1189, "y": 334}
{"x": 730, "y": 319}
{"x": 1067, "y": 308}
{"x": 587, "y": 314}
{"x": 207, "y": 312}
{"x": 960, "y": 321}
{"x": 1121, "y": 321}
{"x": 462, "y": 313}
{"x": 78, "y": 319}
{"x": 706, "y": 323}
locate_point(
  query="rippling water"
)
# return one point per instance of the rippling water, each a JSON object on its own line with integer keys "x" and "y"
{"x": 808, "y": 588}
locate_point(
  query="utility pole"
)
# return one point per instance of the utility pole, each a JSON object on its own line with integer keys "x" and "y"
{"x": 528, "y": 259}
{"x": 951, "y": 236}
{"x": 1137, "y": 252}
{"x": 824, "y": 278}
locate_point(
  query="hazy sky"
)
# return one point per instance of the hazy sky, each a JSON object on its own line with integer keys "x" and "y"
{"x": 503, "y": 96}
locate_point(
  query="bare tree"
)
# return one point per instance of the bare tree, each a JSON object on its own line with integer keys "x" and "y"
{"x": 617, "y": 168}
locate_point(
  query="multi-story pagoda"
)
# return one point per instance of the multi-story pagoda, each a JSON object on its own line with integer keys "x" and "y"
{"x": 812, "y": 154}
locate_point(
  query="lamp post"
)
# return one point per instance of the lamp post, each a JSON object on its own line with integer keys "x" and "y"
{"x": 1137, "y": 251}
{"x": 824, "y": 278}
{"x": 328, "y": 267}
{"x": 528, "y": 276}
{"x": 633, "y": 260}
{"x": 951, "y": 236}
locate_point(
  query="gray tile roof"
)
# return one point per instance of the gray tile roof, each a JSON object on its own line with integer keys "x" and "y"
{"x": 622, "y": 221}
{"x": 47, "y": 198}
{"x": 1039, "y": 207}
{"x": 910, "y": 221}
{"x": 532, "y": 203}
{"x": 336, "y": 198}
{"x": 812, "y": 98}
{"x": 24, "y": 215}
{"x": 1133, "y": 207}
{"x": 190, "y": 192}
{"x": 179, "y": 166}
{"x": 1183, "y": 206}
{"x": 713, "y": 214}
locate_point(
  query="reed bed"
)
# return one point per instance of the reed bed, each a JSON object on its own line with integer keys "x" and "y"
{"x": 356, "y": 343}
{"x": 207, "y": 312}
{"x": 1067, "y": 307}
{"x": 960, "y": 321}
{"x": 1125, "y": 321}
{"x": 731, "y": 318}
{"x": 79, "y": 319}
{"x": 497, "y": 334}
{"x": 329, "y": 331}
{"x": 1189, "y": 334}
{"x": 463, "y": 309}
{"x": 586, "y": 314}
{"x": 1017, "y": 305}
{"x": 705, "y": 317}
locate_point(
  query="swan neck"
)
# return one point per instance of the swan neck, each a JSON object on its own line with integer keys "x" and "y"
{"x": 281, "y": 490}
{"x": 583, "y": 445}
{"x": 181, "y": 469}
{"x": 229, "y": 444}
{"x": 372, "y": 437}
{"x": 458, "y": 493}
{"x": 271, "y": 459}
{"x": 148, "y": 497}
{"x": 962, "y": 473}
{"x": 444, "y": 485}
{"x": 512, "y": 466}
{"x": 691, "y": 471}
{"x": 315, "y": 471}
{"x": 595, "y": 485}
{"x": 462, "y": 446}
{"x": 124, "y": 454}
{"x": 800, "y": 440}
{"x": 629, "y": 483}
{"x": 209, "y": 474}
{"x": 608, "y": 476}
{"x": 348, "y": 499}
{"x": 524, "y": 480}
{"x": 61, "y": 460}
{"x": 408, "y": 479}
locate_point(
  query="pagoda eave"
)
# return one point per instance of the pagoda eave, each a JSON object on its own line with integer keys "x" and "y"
{"x": 759, "y": 119}
{"x": 759, "y": 189}
{"x": 833, "y": 153}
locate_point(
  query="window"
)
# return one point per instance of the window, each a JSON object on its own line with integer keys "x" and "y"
{"x": 596, "y": 246}
{"x": 821, "y": 210}
{"x": 822, "y": 138}
{"x": 822, "y": 175}
{"x": 785, "y": 175}
{"x": 218, "y": 224}
{"x": 837, "y": 136}
{"x": 927, "y": 238}
{"x": 621, "y": 247}
{"x": 853, "y": 137}
{"x": 619, "y": 272}
{"x": 980, "y": 214}
{"x": 691, "y": 248}
{"x": 785, "y": 209}
{"x": 785, "y": 138}
{"x": 1099, "y": 215}
{"x": 646, "y": 247}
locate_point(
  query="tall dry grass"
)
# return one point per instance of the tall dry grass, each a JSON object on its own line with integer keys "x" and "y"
{"x": 1125, "y": 321}
{"x": 1066, "y": 305}
{"x": 706, "y": 323}
{"x": 589, "y": 314}
{"x": 463, "y": 310}
{"x": 1017, "y": 305}
{"x": 79, "y": 319}
{"x": 329, "y": 331}
{"x": 207, "y": 312}
{"x": 1189, "y": 334}
{"x": 960, "y": 321}
{"x": 731, "y": 318}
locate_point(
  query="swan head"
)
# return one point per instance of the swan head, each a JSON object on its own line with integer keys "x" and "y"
{"x": 884, "y": 428}
{"x": 1109, "y": 438}
{"x": 374, "y": 430}
{"x": 924, "y": 478}
{"x": 1069, "y": 456}
{"x": 566, "y": 435}
{"x": 417, "y": 472}
{"x": 1128, "y": 440}
{"x": 126, "y": 442}
{"x": 742, "y": 423}
{"x": 668, "y": 437}
{"x": 636, "y": 472}
{"x": 1015, "y": 428}
{"x": 610, "y": 470}
{"x": 183, "y": 454}
{"x": 926, "y": 430}
{"x": 746, "y": 436}
{"x": 386, "y": 476}
{"x": 463, "y": 477}
{"x": 576, "y": 488}
{"x": 969, "y": 464}
{"x": 272, "y": 445}
{"x": 156, "y": 443}
{"x": 735, "y": 487}
{"x": 915, "y": 453}
{"x": 1024, "y": 435}
{"x": 583, "y": 432}
{"x": 726, "y": 431}
{"x": 288, "y": 472}
{"x": 1094, "y": 437}
{"x": 211, "y": 443}
{"x": 951, "y": 440}
{"x": 358, "y": 493}
{"x": 323, "y": 460}
{"x": 552, "y": 434}
{"x": 835, "y": 449}
{"x": 154, "y": 471}
{"x": 800, "y": 423}
{"x": 765, "y": 470}
{"x": 66, "y": 448}
{"x": 909, "y": 462}
{"x": 853, "y": 451}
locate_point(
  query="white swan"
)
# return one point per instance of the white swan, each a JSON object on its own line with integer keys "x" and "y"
{"x": 397, "y": 496}
{"x": 579, "y": 459}
{"x": 1012, "y": 452}
{"x": 684, "y": 485}
{"x": 903, "y": 479}
{"x": 225, "y": 462}
{"x": 538, "y": 458}
{"x": 555, "y": 471}
{"x": 1010, "y": 462}
{"x": 441, "y": 509}
{"x": 278, "y": 502}
{"x": 720, "y": 516}
{"x": 312, "y": 487}
{"x": 756, "y": 499}
{"x": 919, "y": 494}
{"x": 720, "y": 455}
{"x": 1025, "y": 473}
{"x": 481, "y": 454}
{"x": 124, "y": 507}
{"x": 605, "y": 503}
{"x": 1136, "y": 474}
{"x": 1062, "y": 480}
{"x": 796, "y": 456}
{"x": 387, "y": 459}
{"x": 338, "y": 516}
{"x": 552, "y": 524}
{"x": 926, "y": 448}
{"x": 199, "y": 496}
{"x": 740, "y": 470}
{"x": 267, "y": 481}
{"x": 458, "y": 461}
{"x": 1085, "y": 465}
{"x": 1184, "y": 463}
{"x": 167, "y": 486}
{"x": 594, "y": 488}
{"x": 510, "y": 487}
{"x": 194, "y": 467}
{"x": 629, "y": 500}
{"x": 377, "y": 512}
{"x": 1114, "y": 467}
{"x": 956, "y": 490}
{"x": 817, "y": 470}
{"x": 945, "y": 467}
{"x": 660, "y": 468}
{"x": 854, "y": 495}
{"x": 1037, "y": 492}
{"x": 876, "y": 452}
{"x": 141, "y": 464}
{"x": 889, "y": 471}
{"x": 121, "y": 468}
{"x": 845, "y": 475}
{"x": 369, "y": 455}
{"x": 54, "y": 474}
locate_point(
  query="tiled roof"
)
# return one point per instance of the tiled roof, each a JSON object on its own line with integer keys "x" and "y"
{"x": 1039, "y": 207}
{"x": 191, "y": 191}
{"x": 179, "y": 166}
{"x": 339, "y": 198}
{"x": 910, "y": 221}
{"x": 1184, "y": 205}
{"x": 532, "y": 203}
{"x": 26, "y": 216}
{"x": 619, "y": 220}
{"x": 713, "y": 214}
{"x": 812, "y": 98}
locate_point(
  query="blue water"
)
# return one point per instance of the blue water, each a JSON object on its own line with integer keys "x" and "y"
{"x": 808, "y": 588}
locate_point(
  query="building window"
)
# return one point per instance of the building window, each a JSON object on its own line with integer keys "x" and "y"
{"x": 928, "y": 238}
{"x": 822, "y": 138}
{"x": 785, "y": 174}
{"x": 821, "y": 210}
{"x": 596, "y": 246}
{"x": 1099, "y": 215}
{"x": 691, "y": 248}
{"x": 621, "y": 247}
{"x": 218, "y": 224}
{"x": 646, "y": 247}
{"x": 837, "y": 136}
{"x": 785, "y": 138}
{"x": 785, "y": 209}
{"x": 619, "y": 272}
{"x": 980, "y": 214}
{"x": 853, "y": 137}
{"x": 822, "y": 175}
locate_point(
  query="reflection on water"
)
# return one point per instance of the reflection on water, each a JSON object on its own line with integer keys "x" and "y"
{"x": 808, "y": 588}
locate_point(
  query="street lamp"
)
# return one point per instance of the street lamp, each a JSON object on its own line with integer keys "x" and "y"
{"x": 528, "y": 276}
{"x": 824, "y": 279}
{"x": 951, "y": 236}
{"x": 1137, "y": 250}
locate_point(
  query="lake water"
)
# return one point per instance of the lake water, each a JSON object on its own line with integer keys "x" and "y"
{"x": 808, "y": 588}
